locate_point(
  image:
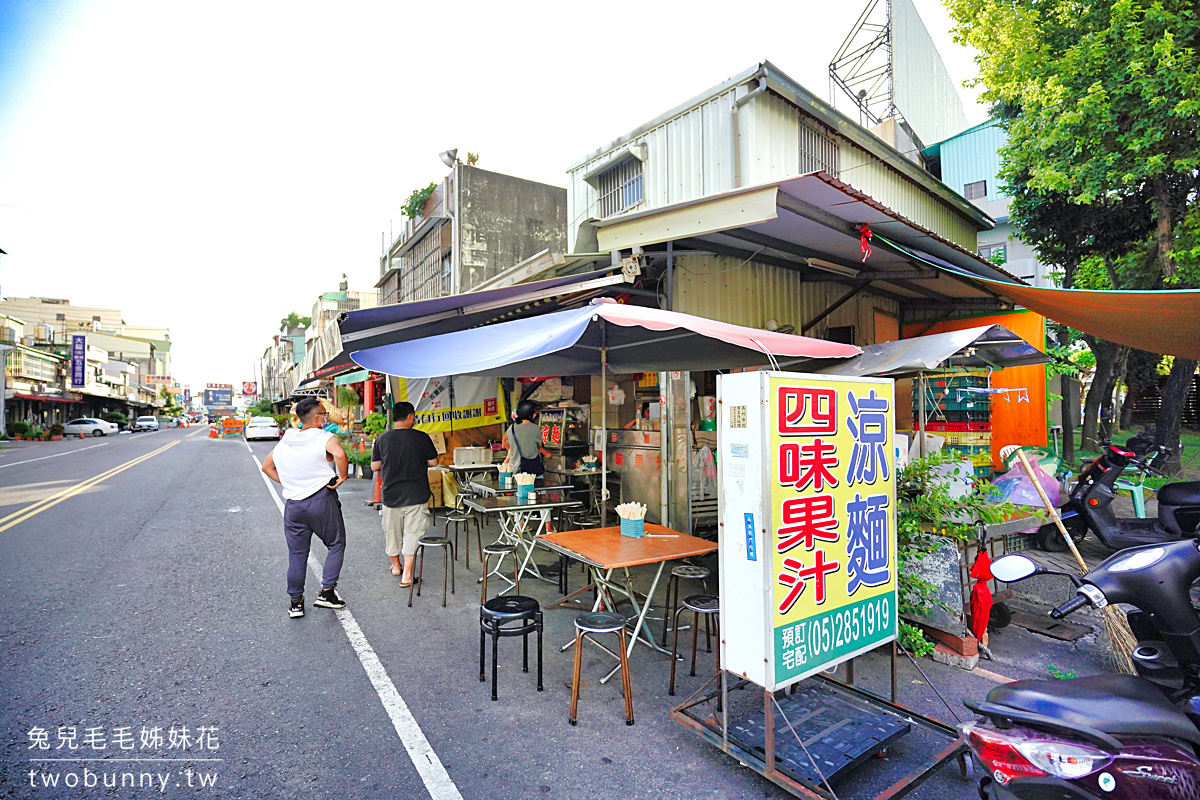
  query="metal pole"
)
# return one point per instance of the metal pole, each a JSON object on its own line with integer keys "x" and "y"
{"x": 922, "y": 387}
{"x": 603, "y": 433}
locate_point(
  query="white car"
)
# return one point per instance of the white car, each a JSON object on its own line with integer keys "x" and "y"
{"x": 262, "y": 428}
{"x": 90, "y": 426}
{"x": 145, "y": 424}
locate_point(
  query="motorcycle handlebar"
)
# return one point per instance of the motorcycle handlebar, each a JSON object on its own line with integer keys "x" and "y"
{"x": 1074, "y": 604}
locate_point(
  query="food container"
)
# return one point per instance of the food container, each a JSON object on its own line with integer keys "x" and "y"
{"x": 471, "y": 456}
{"x": 634, "y": 528}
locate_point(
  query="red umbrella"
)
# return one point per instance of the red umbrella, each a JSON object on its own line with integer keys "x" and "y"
{"x": 981, "y": 596}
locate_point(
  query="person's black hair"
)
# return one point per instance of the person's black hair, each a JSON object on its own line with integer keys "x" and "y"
{"x": 402, "y": 410}
{"x": 306, "y": 407}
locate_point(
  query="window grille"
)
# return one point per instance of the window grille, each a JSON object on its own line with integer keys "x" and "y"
{"x": 421, "y": 269}
{"x": 976, "y": 190}
{"x": 621, "y": 188}
{"x": 818, "y": 149}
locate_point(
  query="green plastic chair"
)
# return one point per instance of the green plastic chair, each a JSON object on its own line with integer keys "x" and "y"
{"x": 1133, "y": 485}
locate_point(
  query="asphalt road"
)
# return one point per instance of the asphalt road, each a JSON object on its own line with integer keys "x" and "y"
{"x": 143, "y": 578}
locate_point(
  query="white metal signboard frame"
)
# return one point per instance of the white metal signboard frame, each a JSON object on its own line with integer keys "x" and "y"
{"x": 808, "y": 522}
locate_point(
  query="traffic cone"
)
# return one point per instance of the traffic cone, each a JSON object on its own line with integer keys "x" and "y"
{"x": 377, "y": 489}
{"x": 212, "y": 432}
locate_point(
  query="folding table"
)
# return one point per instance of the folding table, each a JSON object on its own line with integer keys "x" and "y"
{"x": 605, "y": 550}
{"x": 514, "y": 518}
{"x": 489, "y": 486}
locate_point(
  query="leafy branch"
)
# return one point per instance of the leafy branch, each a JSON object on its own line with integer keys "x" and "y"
{"x": 415, "y": 203}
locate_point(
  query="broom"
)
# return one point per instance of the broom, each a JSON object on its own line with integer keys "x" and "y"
{"x": 1120, "y": 637}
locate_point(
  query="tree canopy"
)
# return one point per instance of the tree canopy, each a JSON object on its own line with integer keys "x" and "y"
{"x": 294, "y": 320}
{"x": 1102, "y": 100}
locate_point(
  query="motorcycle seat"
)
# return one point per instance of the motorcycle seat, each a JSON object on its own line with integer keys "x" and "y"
{"x": 1115, "y": 704}
{"x": 1180, "y": 494}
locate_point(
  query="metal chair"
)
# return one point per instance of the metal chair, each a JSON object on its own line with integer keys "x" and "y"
{"x": 498, "y": 618}
{"x": 500, "y": 551}
{"x": 687, "y": 572}
{"x": 710, "y": 606}
{"x": 447, "y": 571}
{"x": 589, "y": 625}
{"x": 461, "y": 516}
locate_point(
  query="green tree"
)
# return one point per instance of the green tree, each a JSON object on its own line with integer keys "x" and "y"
{"x": 170, "y": 407}
{"x": 294, "y": 320}
{"x": 1102, "y": 104}
{"x": 262, "y": 408}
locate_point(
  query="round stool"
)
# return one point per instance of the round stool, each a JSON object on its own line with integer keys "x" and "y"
{"x": 591, "y": 624}
{"x": 708, "y": 605}
{"x": 687, "y": 572}
{"x": 498, "y": 617}
{"x": 447, "y": 571}
{"x": 500, "y": 550}
{"x": 462, "y": 517}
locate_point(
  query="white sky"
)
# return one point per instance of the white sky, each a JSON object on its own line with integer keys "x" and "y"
{"x": 213, "y": 166}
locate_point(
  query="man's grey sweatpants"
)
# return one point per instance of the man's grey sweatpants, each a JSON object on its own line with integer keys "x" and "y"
{"x": 320, "y": 513}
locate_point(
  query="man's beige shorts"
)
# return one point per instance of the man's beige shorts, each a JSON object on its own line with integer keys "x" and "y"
{"x": 403, "y": 526}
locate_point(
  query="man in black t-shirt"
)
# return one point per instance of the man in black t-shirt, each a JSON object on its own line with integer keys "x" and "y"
{"x": 402, "y": 457}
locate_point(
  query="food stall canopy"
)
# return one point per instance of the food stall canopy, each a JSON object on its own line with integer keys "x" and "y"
{"x": 988, "y": 346}
{"x": 634, "y": 339}
{"x": 329, "y": 355}
{"x": 1163, "y": 321}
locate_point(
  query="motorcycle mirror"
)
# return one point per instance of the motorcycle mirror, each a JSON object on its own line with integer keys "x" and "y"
{"x": 1014, "y": 568}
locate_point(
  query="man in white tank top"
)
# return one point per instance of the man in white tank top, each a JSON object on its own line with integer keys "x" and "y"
{"x": 310, "y": 464}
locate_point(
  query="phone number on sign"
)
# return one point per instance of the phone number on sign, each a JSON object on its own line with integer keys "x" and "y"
{"x": 837, "y": 633}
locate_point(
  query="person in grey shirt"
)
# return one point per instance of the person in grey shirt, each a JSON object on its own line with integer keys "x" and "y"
{"x": 526, "y": 438}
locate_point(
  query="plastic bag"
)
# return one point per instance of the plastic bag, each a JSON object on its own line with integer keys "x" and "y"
{"x": 1018, "y": 489}
{"x": 702, "y": 476}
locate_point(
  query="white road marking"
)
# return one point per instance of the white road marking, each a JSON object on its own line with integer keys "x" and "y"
{"x": 56, "y": 455}
{"x": 429, "y": 766}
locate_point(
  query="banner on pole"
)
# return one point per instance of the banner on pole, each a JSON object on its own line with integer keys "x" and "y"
{"x": 477, "y": 402}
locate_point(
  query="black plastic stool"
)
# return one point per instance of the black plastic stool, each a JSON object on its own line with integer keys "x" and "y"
{"x": 447, "y": 572}
{"x": 590, "y": 624}
{"x": 687, "y": 572}
{"x": 500, "y": 550}
{"x": 499, "y": 612}
{"x": 698, "y": 604}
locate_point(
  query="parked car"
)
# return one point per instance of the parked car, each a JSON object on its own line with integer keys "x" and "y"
{"x": 90, "y": 426}
{"x": 145, "y": 424}
{"x": 262, "y": 428}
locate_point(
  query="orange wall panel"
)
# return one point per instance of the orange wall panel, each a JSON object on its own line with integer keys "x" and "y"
{"x": 1013, "y": 422}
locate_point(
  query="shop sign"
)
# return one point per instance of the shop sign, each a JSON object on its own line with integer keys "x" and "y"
{"x": 821, "y": 449}
{"x": 78, "y": 361}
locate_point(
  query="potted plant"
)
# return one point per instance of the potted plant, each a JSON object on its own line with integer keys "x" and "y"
{"x": 20, "y": 430}
{"x": 56, "y": 432}
{"x": 362, "y": 460}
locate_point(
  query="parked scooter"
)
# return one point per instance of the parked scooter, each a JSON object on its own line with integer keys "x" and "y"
{"x": 1089, "y": 503}
{"x": 1105, "y": 736}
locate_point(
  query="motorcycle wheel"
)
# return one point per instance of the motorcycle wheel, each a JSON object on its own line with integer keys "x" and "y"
{"x": 1050, "y": 540}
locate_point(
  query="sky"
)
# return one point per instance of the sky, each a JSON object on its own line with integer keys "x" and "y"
{"x": 213, "y": 166}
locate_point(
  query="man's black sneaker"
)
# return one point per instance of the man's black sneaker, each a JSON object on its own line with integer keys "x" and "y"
{"x": 328, "y": 598}
{"x": 296, "y": 609}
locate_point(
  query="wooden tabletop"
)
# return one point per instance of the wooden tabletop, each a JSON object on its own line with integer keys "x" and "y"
{"x": 606, "y": 548}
